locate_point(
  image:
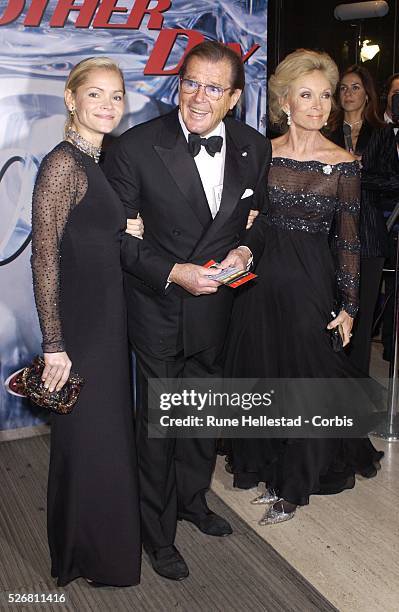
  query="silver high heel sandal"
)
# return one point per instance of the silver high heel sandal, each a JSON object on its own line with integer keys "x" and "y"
{"x": 268, "y": 497}
{"x": 273, "y": 516}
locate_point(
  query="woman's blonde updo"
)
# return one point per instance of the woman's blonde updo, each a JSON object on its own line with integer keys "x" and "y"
{"x": 79, "y": 74}
{"x": 296, "y": 64}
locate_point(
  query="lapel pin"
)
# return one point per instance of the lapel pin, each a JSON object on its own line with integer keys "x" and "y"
{"x": 244, "y": 154}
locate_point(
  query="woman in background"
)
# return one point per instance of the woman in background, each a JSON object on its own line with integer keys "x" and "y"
{"x": 351, "y": 126}
{"x": 77, "y": 227}
{"x": 356, "y": 117}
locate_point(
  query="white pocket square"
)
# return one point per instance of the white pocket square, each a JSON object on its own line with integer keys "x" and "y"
{"x": 247, "y": 193}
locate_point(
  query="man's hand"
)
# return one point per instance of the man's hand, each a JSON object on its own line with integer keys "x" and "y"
{"x": 347, "y": 323}
{"x": 194, "y": 279}
{"x": 56, "y": 370}
{"x": 237, "y": 258}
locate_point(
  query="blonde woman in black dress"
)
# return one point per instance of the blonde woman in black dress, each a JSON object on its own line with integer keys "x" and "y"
{"x": 279, "y": 325}
{"x": 77, "y": 228}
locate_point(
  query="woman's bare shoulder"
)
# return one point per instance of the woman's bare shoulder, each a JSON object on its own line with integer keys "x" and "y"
{"x": 333, "y": 154}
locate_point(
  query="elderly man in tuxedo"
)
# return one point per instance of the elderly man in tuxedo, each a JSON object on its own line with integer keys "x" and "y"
{"x": 193, "y": 175}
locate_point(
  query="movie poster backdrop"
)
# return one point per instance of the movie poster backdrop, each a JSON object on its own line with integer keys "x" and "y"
{"x": 40, "y": 41}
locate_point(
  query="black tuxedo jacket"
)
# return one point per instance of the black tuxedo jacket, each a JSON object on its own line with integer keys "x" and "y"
{"x": 150, "y": 168}
{"x": 380, "y": 188}
{"x": 380, "y": 181}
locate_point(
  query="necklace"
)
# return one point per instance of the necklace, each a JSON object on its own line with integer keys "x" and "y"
{"x": 354, "y": 123}
{"x": 84, "y": 145}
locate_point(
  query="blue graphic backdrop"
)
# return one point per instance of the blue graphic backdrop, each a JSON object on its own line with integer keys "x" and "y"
{"x": 34, "y": 63}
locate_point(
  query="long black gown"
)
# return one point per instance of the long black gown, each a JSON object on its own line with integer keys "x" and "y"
{"x": 93, "y": 509}
{"x": 278, "y": 327}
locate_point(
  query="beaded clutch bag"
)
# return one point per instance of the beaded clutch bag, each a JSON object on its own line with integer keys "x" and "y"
{"x": 28, "y": 382}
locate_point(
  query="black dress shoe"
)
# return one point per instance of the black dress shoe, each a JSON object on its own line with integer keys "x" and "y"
{"x": 168, "y": 563}
{"x": 211, "y": 524}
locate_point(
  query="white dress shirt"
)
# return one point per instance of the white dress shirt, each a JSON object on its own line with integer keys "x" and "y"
{"x": 211, "y": 169}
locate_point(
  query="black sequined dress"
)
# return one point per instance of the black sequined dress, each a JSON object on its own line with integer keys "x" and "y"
{"x": 93, "y": 511}
{"x": 278, "y": 327}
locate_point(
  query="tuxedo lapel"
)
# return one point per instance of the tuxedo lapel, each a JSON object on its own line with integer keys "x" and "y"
{"x": 234, "y": 180}
{"x": 173, "y": 151}
{"x": 235, "y": 171}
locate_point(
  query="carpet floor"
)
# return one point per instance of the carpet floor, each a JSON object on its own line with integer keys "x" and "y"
{"x": 238, "y": 573}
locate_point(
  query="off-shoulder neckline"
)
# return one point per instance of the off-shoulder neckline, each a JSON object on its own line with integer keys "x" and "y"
{"x": 354, "y": 162}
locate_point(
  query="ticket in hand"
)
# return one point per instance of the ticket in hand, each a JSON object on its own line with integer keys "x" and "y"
{"x": 232, "y": 277}
{"x": 225, "y": 274}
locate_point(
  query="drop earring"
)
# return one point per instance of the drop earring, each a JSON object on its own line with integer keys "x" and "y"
{"x": 288, "y": 117}
{"x": 72, "y": 112}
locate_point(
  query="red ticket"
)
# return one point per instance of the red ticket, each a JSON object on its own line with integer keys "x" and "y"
{"x": 242, "y": 280}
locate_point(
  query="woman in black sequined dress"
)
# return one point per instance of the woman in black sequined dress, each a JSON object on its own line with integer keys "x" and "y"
{"x": 77, "y": 227}
{"x": 279, "y": 324}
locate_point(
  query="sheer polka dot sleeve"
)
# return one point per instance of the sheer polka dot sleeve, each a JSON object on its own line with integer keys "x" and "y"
{"x": 60, "y": 185}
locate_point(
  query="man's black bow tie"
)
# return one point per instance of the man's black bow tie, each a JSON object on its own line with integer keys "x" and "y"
{"x": 212, "y": 145}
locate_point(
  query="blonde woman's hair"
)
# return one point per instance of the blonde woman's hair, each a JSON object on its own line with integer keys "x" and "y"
{"x": 79, "y": 74}
{"x": 296, "y": 64}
